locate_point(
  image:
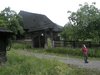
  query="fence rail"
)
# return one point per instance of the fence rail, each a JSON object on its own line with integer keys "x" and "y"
{"x": 75, "y": 44}
{"x": 72, "y": 44}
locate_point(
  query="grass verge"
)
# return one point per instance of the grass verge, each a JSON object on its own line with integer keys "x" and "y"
{"x": 28, "y": 65}
{"x": 18, "y": 64}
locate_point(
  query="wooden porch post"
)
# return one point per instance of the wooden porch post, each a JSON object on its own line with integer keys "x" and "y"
{"x": 39, "y": 41}
{"x": 45, "y": 34}
{"x": 51, "y": 38}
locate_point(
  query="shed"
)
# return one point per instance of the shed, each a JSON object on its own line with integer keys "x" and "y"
{"x": 5, "y": 34}
{"x": 40, "y": 28}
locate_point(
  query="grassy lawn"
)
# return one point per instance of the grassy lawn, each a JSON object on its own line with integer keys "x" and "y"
{"x": 18, "y": 64}
{"x": 28, "y": 65}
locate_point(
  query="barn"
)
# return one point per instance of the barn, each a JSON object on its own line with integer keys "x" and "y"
{"x": 5, "y": 34}
{"x": 40, "y": 29}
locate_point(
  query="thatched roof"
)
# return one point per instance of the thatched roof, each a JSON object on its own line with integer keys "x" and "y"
{"x": 36, "y": 22}
{"x": 4, "y": 30}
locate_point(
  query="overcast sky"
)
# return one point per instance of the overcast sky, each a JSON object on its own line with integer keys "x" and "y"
{"x": 56, "y": 10}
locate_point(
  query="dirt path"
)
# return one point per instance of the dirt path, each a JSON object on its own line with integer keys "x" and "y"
{"x": 93, "y": 64}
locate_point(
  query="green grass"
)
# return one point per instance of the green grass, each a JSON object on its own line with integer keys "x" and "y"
{"x": 28, "y": 65}
{"x": 16, "y": 45}
{"x": 93, "y": 52}
{"x": 18, "y": 64}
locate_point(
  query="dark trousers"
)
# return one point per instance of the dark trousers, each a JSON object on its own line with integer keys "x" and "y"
{"x": 85, "y": 58}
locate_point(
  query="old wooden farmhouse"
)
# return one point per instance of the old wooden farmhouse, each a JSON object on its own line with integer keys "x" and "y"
{"x": 40, "y": 28}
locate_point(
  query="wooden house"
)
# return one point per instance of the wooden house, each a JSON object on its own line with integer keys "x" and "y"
{"x": 5, "y": 34}
{"x": 40, "y": 28}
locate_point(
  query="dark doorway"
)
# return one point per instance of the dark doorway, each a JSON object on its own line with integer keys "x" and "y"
{"x": 39, "y": 42}
{"x": 42, "y": 41}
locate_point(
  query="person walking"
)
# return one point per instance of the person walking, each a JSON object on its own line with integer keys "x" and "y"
{"x": 85, "y": 53}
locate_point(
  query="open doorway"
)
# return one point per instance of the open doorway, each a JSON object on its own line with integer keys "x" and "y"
{"x": 39, "y": 42}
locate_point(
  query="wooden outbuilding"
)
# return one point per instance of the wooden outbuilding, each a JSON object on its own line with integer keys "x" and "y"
{"x": 40, "y": 28}
{"x": 5, "y": 34}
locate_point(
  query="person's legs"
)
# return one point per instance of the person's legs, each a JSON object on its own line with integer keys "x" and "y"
{"x": 85, "y": 59}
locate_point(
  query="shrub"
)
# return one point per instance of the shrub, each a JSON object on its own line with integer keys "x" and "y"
{"x": 64, "y": 51}
{"x": 74, "y": 51}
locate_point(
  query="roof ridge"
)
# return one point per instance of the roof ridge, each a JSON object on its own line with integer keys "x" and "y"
{"x": 31, "y": 12}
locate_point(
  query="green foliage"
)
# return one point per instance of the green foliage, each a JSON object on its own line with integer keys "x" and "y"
{"x": 86, "y": 23}
{"x": 93, "y": 52}
{"x": 3, "y": 22}
{"x": 27, "y": 65}
{"x": 75, "y": 52}
{"x": 68, "y": 32}
{"x": 79, "y": 71}
{"x": 23, "y": 45}
{"x": 69, "y": 51}
{"x": 49, "y": 43}
{"x": 11, "y": 20}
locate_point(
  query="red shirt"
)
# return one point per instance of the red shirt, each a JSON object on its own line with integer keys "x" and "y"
{"x": 84, "y": 50}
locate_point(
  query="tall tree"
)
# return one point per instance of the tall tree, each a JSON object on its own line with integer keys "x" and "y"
{"x": 68, "y": 32}
{"x": 86, "y": 20}
{"x": 12, "y": 21}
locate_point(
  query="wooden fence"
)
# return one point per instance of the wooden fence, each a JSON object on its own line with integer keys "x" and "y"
{"x": 74, "y": 44}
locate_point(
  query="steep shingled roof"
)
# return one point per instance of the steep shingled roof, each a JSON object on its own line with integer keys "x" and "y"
{"x": 35, "y": 22}
{"x": 4, "y": 30}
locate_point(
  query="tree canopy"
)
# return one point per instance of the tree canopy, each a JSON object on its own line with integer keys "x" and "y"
{"x": 11, "y": 20}
{"x": 85, "y": 23}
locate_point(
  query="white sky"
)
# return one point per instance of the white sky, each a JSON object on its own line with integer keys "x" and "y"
{"x": 56, "y": 10}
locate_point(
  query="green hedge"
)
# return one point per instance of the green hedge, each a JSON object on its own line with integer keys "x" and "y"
{"x": 72, "y": 51}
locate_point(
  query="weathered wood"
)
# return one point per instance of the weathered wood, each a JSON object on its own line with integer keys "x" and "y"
{"x": 36, "y": 24}
{"x": 39, "y": 38}
{"x": 2, "y": 50}
{"x": 3, "y": 57}
{"x": 4, "y": 36}
{"x": 74, "y": 44}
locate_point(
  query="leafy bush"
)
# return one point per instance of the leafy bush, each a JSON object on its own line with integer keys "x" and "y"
{"x": 94, "y": 52}
{"x": 64, "y": 51}
{"x": 72, "y": 51}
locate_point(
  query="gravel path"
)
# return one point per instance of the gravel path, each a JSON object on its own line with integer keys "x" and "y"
{"x": 93, "y": 64}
